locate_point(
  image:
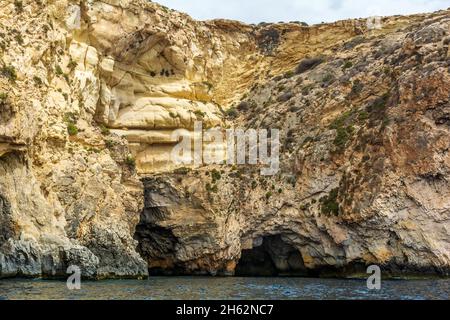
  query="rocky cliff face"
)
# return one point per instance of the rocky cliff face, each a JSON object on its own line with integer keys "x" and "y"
{"x": 91, "y": 91}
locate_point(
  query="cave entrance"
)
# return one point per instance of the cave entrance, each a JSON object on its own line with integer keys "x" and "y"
{"x": 273, "y": 257}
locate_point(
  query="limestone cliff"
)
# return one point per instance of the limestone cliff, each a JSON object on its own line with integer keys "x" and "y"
{"x": 90, "y": 92}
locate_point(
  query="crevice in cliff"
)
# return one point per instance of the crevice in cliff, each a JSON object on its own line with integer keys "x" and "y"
{"x": 7, "y": 229}
{"x": 156, "y": 243}
{"x": 272, "y": 257}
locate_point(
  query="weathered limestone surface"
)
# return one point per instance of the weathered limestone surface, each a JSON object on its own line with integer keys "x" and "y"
{"x": 363, "y": 179}
{"x": 91, "y": 92}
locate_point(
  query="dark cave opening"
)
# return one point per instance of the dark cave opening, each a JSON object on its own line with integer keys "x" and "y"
{"x": 274, "y": 257}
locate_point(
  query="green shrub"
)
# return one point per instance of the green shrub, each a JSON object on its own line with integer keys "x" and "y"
{"x": 18, "y": 5}
{"x": 232, "y": 113}
{"x": 292, "y": 180}
{"x": 130, "y": 161}
{"x": 37, "y": 81}
{"x": 307, "y": 89}
{"x": 9, "y": 72}
{"x": 344, "y": 129}
{"x": 342, "y": 120}
{"x": 289, "y": 74}
{"x": 268, "y": 195}
{"x": 58, "y": 70}
{"x": 215, "y": 175}
{"x": 72, "y": 129}
{"x": 199, "y": 114}
{"x": 19, "y": 39}
{"x": 109, "y": 144}
{"x": 105, "y": 130}
{"x": 330, "y": 206}
{"x": 363, "y": 115}
{"x": 342, "y": 137}
{"x": 347, "y": 65}
{"x": 357, "y": 87}
{"x": 3, "y": 98}
{"x": 211, "y": 188}
{"x": 328, "y": 78}
{"x": 182, "y": 171}
{"x": 70, "y": 117}
{"x": 380, "y": 103}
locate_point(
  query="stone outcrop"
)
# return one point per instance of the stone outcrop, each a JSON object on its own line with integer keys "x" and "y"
{"x": 66, "y": 198}
{"x": 92, "y": 91}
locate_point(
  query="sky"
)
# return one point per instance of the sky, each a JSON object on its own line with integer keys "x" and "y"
{"x": 310, "y": 11}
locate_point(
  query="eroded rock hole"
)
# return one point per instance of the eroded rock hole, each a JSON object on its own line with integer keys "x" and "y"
{"x": 271, "y": 257}
{"x": 156, "y": 244}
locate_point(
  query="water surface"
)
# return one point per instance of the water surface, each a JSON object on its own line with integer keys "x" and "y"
{"x": 187, "y": 288}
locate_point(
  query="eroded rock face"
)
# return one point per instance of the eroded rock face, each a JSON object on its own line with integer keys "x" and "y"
{"x": 91, "y": 92}
{"x": 66, "y": 198}
{"x": 162, "y": 71}
{"x": 364, "y": 170}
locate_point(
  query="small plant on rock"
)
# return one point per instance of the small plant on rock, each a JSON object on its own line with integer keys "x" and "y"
{"x": 199, "y": 114}
{"x": 105, "y": 130}
{"x": 3, "y": 98}
{"x": 232, "y": 113}
{"x": 347, "y": 65}
{"x": 330, "y": 206}
{"x": 38, "y": 81}
{"x": 71, "y": 120}
{"x": 18, "y": 4}
{"x": 182, "y": 171}
{"x": 211, "y": 188}
{"x": 58, "y": 70}
{"x": 357, "y": 87}
{"x": 72, "y": 129}
{"x": 8, "y": 72}
{"x": 215, "y": 175}
{"x": 130, "y": 161}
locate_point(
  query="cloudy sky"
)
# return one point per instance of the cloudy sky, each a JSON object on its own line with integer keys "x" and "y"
{"x": 311, "y": 11}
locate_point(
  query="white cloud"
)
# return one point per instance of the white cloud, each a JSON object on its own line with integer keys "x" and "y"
{"x": 316, "y": 11}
